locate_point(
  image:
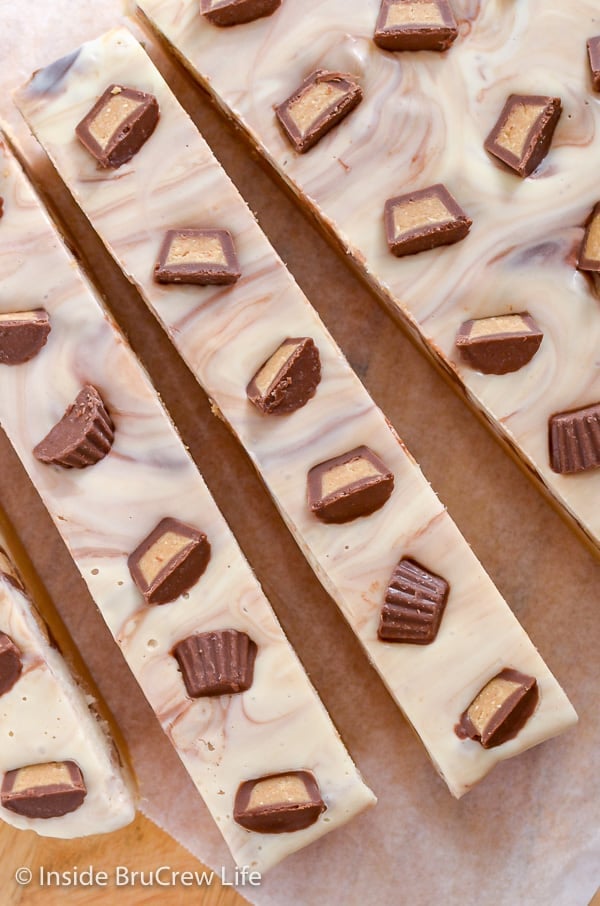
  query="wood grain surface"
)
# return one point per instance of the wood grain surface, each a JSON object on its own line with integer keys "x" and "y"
{"x": 141, "y": 847}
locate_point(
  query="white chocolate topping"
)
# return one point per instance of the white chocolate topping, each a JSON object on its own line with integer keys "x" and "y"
{"x": 434, "y": 684}
{"x": 104, "y": 512}
{"x": 45, "y": 720}
{"x": 423, "y": 120}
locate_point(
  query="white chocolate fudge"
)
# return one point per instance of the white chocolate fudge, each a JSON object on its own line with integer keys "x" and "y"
{"x": 225, "y": 336}
{"x": 105, "y": 510}
{"x": 45, "y": 721}
{"x": 424, "y": 119}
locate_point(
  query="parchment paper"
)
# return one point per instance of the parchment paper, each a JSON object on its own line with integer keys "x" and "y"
{"x": 529, "y": 834}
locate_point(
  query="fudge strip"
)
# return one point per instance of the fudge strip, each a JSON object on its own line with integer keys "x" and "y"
{"x": 430, "y": 115}
{"x": 147, "y": 481}
{"x": 224, "y": 344}
{"x": 78, "y": 786}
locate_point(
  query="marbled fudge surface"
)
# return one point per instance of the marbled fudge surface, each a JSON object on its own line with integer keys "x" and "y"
{"x": 225, "y": 334}
{"x": 424, "y": 120}
{"x": 104, "y": 511}
{"x": 46, "y": 717}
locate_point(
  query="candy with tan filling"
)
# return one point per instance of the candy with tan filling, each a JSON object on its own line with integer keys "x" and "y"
{"x": 22, "y": 335}
{"x": 589, "y": 253}
{"x": 288, "y": 379}
{"x": 424, "y": 220}
{"x": 216, "y": 663}
{"x": 321, "y": 102}
{"x": 415, "y": 25}
{"x": 501, "y": 709}
{"x": 202, "y": 257}
{"x": 523, "y": 133}
{"x": 169, "y": 560}
{"x": 11, "y": 663}
{"x": 279, "y": 803}
{"x": 348, "y": 486}
{"x": 237, "y": 12}
{"x": 82, "y": 437}
{"x": 574, "y": 440}
{"x": 500, "y": 344}
{"x": 593, "y": 46}
{"x": 118, "y": 124}
{"x": 44, "y": 790}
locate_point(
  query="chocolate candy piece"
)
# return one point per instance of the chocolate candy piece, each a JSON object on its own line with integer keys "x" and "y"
{"x": 197, "y": 256}
{"x": 169, "y": 561}
{"x": 82, "y": 437}
{"x": 279, "y": 803}
{"x": 323, "y": 99}
{"x": 1, "y": 206}
{"x": 44, "y": 790}
{"x": 414, "y": 605}
{"x": 236, "y": 12}
{"x": 521, "y": 138}
{"x": 22, "y": 335}
{"x": 589, "y": 254}
{"x": 11, "y": 663}
{"x": 216, "y": 663}
{"x": 415, "y": 25}
{"x": 118, "y": 124}
{"x": 424, "y": 220}
{"x": 500, "y": 710}
{"x": 288, "y": 379}
{"x": 574, "y": 439}
{"x": 354, "y": 484}
{"x": 593, "y": 46}
{"x": 501, "y": 344}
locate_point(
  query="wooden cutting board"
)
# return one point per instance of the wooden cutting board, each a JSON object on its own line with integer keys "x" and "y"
{"x": 140, "y": 847}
